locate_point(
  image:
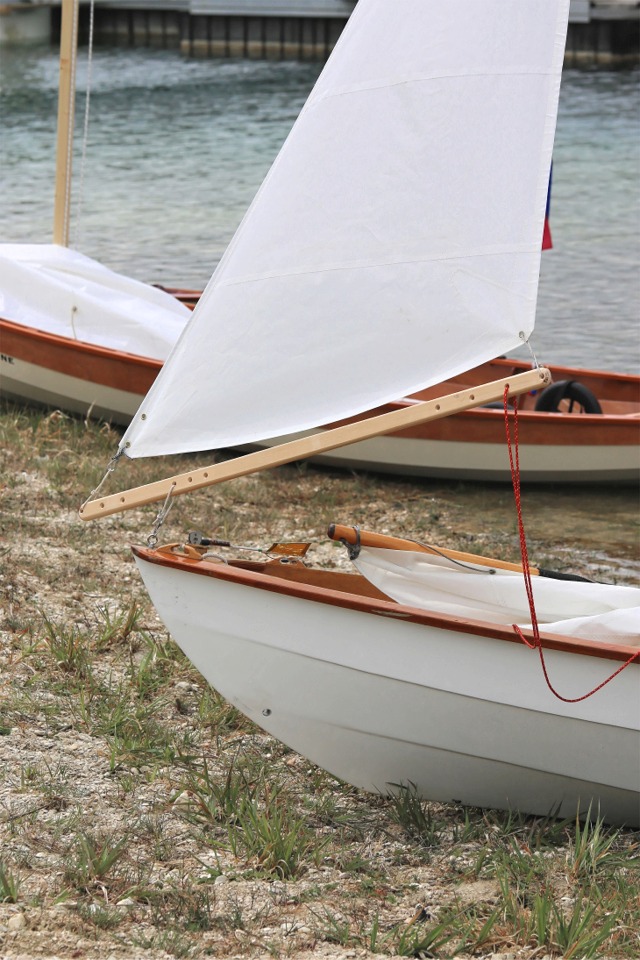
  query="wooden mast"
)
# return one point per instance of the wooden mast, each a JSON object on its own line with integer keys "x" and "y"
{"x": 309, "y": 446}
{"x": 66, "y": 113}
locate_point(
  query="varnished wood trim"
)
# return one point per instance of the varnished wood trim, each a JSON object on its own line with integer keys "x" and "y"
{"x": 265, "y": 576}
{"x": 75, "y": 358}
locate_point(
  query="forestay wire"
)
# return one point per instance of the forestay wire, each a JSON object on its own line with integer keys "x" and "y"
{"x": 113, "y": 463}
{"x": 152, "y": 539}
{"x": 514, "y": 462}
{"x": 85, "y": 130}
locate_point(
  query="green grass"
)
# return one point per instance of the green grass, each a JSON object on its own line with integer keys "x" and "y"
{"x": 9, "y": 884}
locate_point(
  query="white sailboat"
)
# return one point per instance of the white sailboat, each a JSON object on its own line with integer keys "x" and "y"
{"x": 75, "y": 334}
{"x": 394, "y": 244}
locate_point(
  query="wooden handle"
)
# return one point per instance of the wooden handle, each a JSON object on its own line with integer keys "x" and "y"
{"x": 366, "y": 538}
{"x": 316, "y": 443}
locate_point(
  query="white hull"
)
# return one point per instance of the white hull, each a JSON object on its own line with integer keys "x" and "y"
{"x": 380, "y": 694}
{"x": 465, "y": 460}
{"x": 78, "y": 336}
{"x": 36, "y": 384}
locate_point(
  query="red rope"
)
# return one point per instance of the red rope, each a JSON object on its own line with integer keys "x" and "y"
{"x": 514, "y": 463}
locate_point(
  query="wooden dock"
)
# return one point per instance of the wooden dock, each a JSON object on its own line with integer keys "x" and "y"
{"x": 601, "y": 32}
{"x": 605, "y": 32}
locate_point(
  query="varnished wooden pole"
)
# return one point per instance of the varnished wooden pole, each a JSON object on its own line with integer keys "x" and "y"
{"x": 66, "y": 114}
{"x": 315, "y": 444}
{"x": 366, "y": 538}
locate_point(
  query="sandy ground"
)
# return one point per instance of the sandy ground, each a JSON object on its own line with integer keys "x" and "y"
{"x": 179, "y": 889}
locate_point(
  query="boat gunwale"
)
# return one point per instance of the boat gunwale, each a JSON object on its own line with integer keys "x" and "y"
{"x": 81, "y": 346}
{"x": 389, "y": 609}
{"x": 131, "y": 365}
{"x": 510, "y": 366}
{"x": 111, "y": 353}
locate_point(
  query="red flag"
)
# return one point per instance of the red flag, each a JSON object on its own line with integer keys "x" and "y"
{"x": 546, "y": 234}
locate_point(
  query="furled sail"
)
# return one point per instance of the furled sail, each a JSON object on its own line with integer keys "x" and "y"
{"x": 395, "y": 241}
{"x": 593, "y": 611}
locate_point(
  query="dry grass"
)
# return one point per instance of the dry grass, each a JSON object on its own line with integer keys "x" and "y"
{"x": 142, "y": 816}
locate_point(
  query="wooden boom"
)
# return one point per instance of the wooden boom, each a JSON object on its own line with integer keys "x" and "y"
{"x": 316, "y": 443}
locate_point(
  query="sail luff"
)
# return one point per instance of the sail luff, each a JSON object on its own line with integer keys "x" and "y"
{"x": 399, "y": 226}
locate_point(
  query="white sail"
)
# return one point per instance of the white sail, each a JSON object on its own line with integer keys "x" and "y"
{"x": 594, "y": 611}
{"x": 395, "y": 241}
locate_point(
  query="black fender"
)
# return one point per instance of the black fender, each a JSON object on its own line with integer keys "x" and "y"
{"x": 571, "y": 390}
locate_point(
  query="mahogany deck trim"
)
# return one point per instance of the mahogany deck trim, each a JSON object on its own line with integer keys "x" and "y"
{"x": 280, "y": 578}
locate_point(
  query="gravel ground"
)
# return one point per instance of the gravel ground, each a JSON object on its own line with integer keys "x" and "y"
{"x": 368, "y": 883}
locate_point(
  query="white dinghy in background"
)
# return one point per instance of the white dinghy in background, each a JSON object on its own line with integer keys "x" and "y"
{"x": 74, "y": 334}
{"x": 79, "y": 336}
{"x": 429, "y": 137}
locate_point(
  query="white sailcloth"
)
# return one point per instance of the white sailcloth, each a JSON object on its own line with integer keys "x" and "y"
{"x": 591, "y": 611}
{"x": 395, "y": 241}
{"x": 60, "y": 291}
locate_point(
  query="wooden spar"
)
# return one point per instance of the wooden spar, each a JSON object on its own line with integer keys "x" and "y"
{"x": 66, "y": 113}
{"x": 365, "y": 538}
{"x": 316, "y": 443}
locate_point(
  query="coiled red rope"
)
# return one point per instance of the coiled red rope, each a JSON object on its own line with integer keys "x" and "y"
{"x": 514, "y": 463}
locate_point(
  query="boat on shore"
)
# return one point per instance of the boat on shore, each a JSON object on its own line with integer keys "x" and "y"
{"x": 584, "y": 428}
{"x": 417, "y": 266}
{"x": 74, "y": 334}
{"x": 382, "y": 693}
{"x": 79, "y": 337}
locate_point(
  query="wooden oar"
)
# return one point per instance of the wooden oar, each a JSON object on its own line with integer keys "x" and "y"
{"x": 317, "y": 443}
{"x": 354, "y": 536}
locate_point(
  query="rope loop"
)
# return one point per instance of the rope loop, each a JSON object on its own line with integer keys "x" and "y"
{"x": 514, "y": 463}
{"x": 353, "y": 549}
{"x": 585, "y": 696}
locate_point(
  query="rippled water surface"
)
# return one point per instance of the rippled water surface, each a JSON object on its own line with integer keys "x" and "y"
{"x": 177, "y": 148}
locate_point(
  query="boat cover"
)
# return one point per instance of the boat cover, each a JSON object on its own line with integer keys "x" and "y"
{"x": 57, "y": 290}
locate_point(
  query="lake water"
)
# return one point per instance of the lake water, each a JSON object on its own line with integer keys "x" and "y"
{"x": 177, "y": 148}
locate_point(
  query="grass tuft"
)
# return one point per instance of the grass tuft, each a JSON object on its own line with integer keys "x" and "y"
{"x": 9, "y": 884}
{"x": 414, "y": 814}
